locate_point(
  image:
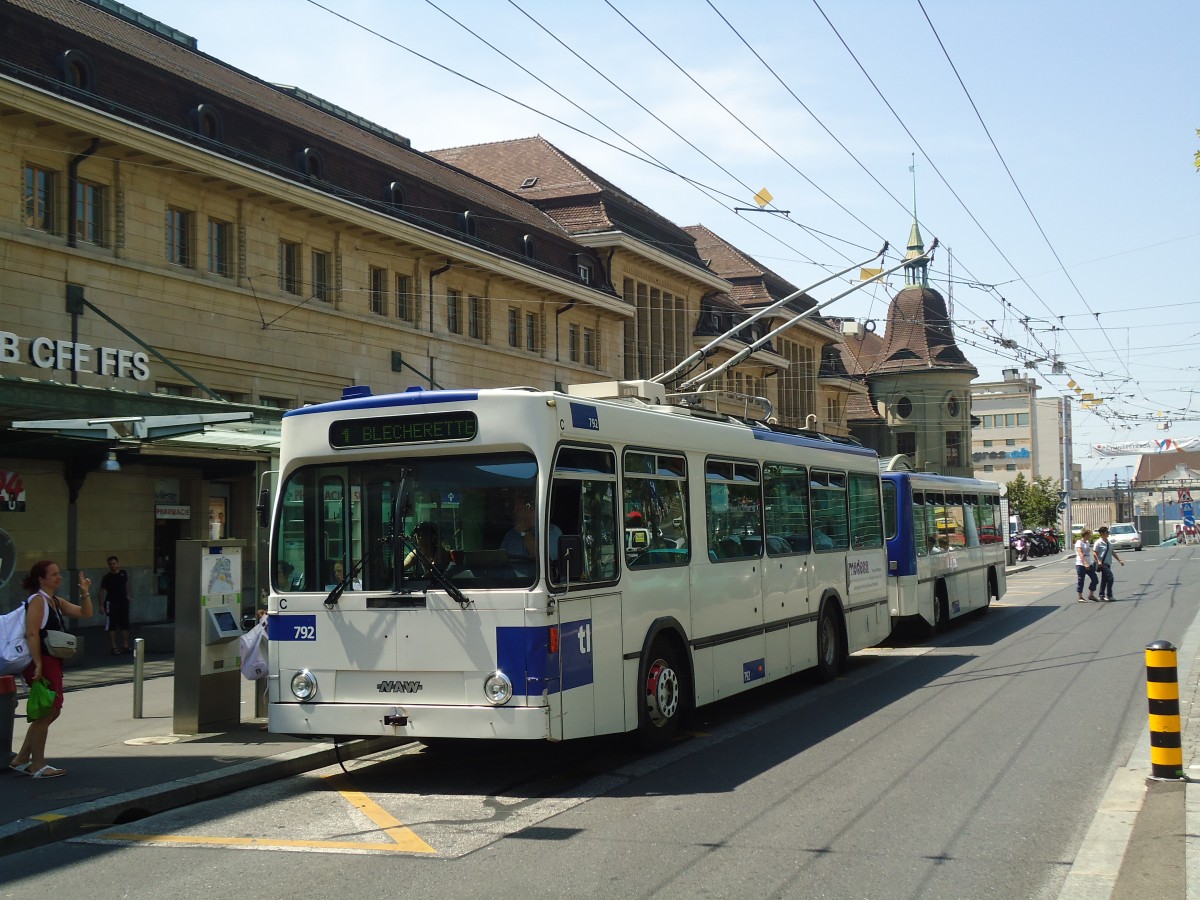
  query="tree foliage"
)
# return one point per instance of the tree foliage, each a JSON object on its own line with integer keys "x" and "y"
{"x": 1036, "y": 502}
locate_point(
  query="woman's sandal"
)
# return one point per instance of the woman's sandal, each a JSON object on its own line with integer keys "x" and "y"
{"x": 48, "y": 771}
{"x": 116, "y": 652}
{"x": 21, "y": 768}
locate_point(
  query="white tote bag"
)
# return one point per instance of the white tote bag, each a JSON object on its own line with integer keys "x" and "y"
{"x": 254, "y": 651}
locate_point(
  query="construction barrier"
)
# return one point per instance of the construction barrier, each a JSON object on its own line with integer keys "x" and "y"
{"x": 1162, "y": 689}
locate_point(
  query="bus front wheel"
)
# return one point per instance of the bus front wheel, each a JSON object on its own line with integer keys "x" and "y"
{"x": 830, "y": 658}
{"x": 664, "y": 696}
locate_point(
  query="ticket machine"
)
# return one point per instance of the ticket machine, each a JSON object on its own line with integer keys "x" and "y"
{"x": 208, "y": 610}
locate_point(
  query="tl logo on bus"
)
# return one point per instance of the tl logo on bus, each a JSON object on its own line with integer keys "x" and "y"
{"x": 398, "y": 687}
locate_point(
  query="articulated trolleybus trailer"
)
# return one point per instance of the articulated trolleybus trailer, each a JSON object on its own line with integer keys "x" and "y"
{"x": 527, "y": 564}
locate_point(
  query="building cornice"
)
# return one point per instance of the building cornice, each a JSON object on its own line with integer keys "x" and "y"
{"x": 619, "y": 240}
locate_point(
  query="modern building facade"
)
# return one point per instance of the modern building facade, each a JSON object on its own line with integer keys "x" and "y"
{"x": 1020, "y": 433}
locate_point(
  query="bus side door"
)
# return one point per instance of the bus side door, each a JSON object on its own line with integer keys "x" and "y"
{"x": 591, "y": 695}
{"x": 786, "y": 607}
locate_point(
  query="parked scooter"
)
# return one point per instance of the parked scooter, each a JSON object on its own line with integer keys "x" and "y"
{"x": 1051, "y": 540}
{"x": 1021, "y": 547}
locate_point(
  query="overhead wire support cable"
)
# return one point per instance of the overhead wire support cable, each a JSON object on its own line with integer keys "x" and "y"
{"x": 705, "y": 377}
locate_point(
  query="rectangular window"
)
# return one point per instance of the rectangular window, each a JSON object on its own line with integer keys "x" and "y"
{"x": 454, "y": 312}
{"x": 531, "y": 332}
{"x": 475, "y": 318}
{"x": 1011, "y": 467}
{"x": 218, "y": 248}
{"x": 179, "y": 236}
{"x": 989, "y": 468}
{"x": 906, "y": 443}
{"x": 573, "y": 343}
{"x": 514, "y": 328}
{"x": 589, "y": 347}
{"x": 39, "y": 198}
{"x": 953, "y": 448}
{"x": 1010, "y": 420}
{"x": 289, "y": 267}
{"x": 1010, "y": 442}
{"x": 321, "y": 275}
{"x": 379, "y": 290}
{"x": 786, "y": 491}
{"x": 585, "y": 273}
{"x": 830, "y": 512}
{"x": 733, "y": 510}
{"x": 583, "y": 511}
{"x": 866, "y": 513}
{"x": 404, "y": 299}
{"x": 1022, "y": 420}
{"x": 276, "y": 402}
{"x": 89, "y": 212}
{"x": 987, "y": 443}
{"x": 654, "y": 510}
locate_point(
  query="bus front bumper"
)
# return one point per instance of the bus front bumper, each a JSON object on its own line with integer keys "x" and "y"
{"x": 411, "y": 721}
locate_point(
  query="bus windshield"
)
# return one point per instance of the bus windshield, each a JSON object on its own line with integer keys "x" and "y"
{"x": 471, "y": 516}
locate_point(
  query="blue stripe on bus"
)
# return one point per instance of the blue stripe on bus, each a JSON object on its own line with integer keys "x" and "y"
{"x": 523, "y": 654}
{"x": 761, "y": 434}
{"x": 384, "y": 401}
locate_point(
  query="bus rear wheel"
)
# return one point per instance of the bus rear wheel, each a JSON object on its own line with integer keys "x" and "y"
{"x": 941, "y": 609}
{"x": 830, "y": 658}
{"x": 664, "y": 696}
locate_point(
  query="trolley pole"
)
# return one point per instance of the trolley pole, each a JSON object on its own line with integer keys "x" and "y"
{"x": 1162, "y": 689}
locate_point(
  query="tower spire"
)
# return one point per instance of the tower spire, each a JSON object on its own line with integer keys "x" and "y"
{"x": 916, "y": 269}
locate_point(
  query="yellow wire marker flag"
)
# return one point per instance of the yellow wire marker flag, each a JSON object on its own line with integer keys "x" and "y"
{"x": 868, "y": 274}
{"x": 763, "y": 197}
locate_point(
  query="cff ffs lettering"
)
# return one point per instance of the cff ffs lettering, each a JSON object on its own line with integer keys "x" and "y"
{"x": 75, "y": 356}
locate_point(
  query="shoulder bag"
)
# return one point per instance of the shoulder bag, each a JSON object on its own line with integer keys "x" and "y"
{"x": 59, "y": 644}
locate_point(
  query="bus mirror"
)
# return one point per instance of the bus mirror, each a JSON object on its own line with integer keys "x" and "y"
{"x": 570, "y": 556}
{"x": 264, "y": 507}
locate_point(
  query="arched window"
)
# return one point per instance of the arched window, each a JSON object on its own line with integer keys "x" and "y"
{"x": 468, "y": 223}
{"x": 528, "y": 247}
{"x": 207, "y": 121}
{"x": 75, "y": 70}
{"x": 396, "y": 195}
{"x": 311, "y": 163}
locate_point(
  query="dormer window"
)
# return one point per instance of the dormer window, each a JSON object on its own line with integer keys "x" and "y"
{"x": 311, "y": 163}
{"x": 585, "y": 271}
{"x": 75, "y": 70}
{"x": 207, "y": 121}
{"x": 528, "y": 247}
{"x": 396, "y": 195}
{"x": 468, "y": 223}
{"x": 529, "y": 182}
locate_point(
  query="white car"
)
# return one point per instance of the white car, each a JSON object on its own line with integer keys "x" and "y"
{"x": 1124, "y": 536}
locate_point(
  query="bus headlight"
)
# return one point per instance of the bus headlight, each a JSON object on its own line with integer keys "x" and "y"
{"x": 497, "y": 688}
{"x": 304, "y": 685}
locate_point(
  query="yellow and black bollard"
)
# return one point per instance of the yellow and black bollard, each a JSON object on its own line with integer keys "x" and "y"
{"x": 1162, "y": 687}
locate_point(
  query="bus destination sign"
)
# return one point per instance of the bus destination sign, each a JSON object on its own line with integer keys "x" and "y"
{"x": 382, "y": 431}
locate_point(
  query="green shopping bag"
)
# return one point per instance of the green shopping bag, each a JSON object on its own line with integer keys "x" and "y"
{"x": 40, "y": 701}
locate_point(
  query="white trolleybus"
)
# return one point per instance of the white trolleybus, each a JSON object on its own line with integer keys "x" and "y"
{"x": 529, "y": 564}
{"x": 524, "y": 564}
{"x": 946, "y": 546}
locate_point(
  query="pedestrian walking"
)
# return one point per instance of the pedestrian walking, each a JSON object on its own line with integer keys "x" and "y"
{"x": 46, "y": 609}
{"x": 1105, "y": 554}
{"x": 1085, "y": 565}
{"x": 115, "y": 599}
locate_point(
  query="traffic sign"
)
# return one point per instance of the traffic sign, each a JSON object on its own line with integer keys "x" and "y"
{"x": 1062, "y": 506}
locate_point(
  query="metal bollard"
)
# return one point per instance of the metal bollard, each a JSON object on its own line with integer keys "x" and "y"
{"x": 8, "y": 713}
{"x": 139, "y": 672}
{"x": 1162, "y": 688}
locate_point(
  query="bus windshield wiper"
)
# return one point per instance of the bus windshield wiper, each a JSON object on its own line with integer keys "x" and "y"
{"x": 435, "y": 572}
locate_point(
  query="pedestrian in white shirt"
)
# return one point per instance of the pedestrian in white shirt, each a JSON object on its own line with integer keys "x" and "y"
{"x": 1085, "y": 564}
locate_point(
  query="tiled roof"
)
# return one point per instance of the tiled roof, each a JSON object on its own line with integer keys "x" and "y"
{"x": 918, "y": 337}
{"x": 1155, "y": 466}
{"x": 755, "y": 284}
{"x": 214, "y": 79}
{"x": 558, "y": 177}
{"x": 861, "y": 408}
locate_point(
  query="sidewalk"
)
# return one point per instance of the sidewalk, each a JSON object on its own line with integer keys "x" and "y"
{"x": 121, "y": 768}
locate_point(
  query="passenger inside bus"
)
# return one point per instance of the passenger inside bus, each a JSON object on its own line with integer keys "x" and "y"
{"x": 522, "y": 539}
{"x": 428, "y": 548}
{"x": 339, "y": 575}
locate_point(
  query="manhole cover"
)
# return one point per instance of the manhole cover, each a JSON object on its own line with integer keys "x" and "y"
{"x": 154, "y": 739}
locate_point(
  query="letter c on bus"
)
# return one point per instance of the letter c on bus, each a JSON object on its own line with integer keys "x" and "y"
{"x": 283, "y": 602}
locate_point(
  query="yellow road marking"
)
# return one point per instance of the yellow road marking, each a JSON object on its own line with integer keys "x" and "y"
{"x": 253, "y": 842}
{"x": 404, "y": 840}
{"x": 392, "y": 827}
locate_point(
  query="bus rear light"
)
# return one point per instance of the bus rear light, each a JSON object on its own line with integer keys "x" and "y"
{"x": 553, "y": 638}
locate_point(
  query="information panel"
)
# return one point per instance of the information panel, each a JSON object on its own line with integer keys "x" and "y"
{"x": 382, "y": 431}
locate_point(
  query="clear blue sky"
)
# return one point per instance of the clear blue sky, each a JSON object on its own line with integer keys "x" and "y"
{"x": 1085, "y": 102}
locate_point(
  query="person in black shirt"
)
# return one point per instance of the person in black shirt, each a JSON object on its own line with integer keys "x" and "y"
{"x": 115, "y": 597}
